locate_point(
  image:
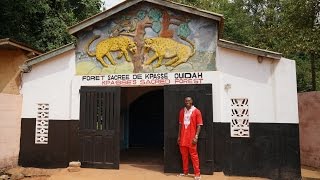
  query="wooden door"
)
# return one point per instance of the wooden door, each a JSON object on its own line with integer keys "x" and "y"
{"x": 99, "y": 127}
{"x": 173, "y": 101}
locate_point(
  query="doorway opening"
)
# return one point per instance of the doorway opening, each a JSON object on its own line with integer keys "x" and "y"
{"x": 142, "y": 125}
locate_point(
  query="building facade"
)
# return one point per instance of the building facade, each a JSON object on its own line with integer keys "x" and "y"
{"x": 122, "y": 84}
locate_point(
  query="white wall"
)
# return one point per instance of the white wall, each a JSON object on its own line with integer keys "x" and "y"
{"x": 49, "y": 82}
{"x": 53, "y": 81}
{"x": 285, "y": 91}
{"x": 270, "y": 87}
{"x": 261, "y": 84}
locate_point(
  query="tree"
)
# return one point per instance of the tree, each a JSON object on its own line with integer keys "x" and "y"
{"x": 302, "y": 17}
{"x": 134, "y": 24}
{"x": 43, "y": 23}
{"x": 291, "y": 27}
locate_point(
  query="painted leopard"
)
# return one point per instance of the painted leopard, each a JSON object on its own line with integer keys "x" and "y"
{"x": 104, "y": 47}
{"x": 178, "y": 53}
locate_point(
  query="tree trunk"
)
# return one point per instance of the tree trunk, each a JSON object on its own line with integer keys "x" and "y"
{"x": 139, "y": 39}
{"x": 165, "y": 32}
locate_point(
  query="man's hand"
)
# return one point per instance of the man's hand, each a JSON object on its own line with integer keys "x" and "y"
{"x": 178, "y": 140}
{"x": 194, "y": 140}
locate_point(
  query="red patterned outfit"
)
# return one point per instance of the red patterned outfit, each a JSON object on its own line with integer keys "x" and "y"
{"x": 189, "y": 120}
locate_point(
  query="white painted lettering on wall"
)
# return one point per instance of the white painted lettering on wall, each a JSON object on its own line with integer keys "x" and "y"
{"x": 147, "y": 79}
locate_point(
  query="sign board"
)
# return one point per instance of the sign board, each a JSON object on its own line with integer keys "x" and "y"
{"x": 147, "y": 79}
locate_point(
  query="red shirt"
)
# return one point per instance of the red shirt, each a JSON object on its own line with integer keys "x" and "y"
{"x": 188, "y": 131}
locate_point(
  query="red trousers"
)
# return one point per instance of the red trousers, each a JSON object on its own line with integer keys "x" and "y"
{"x": 185, "y": 151}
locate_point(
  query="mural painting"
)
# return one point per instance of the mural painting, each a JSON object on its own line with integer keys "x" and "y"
{"x": 148, "y": 39}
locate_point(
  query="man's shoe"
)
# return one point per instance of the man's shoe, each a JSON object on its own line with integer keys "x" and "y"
{"x": 183, "y": 175}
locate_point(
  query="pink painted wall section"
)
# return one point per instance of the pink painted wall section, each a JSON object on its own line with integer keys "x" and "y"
{"x": 309, "y": 108}
{"x": 10, "y": 122}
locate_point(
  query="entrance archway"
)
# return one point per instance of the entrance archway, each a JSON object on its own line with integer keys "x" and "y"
{"x": 146, "y": 121}
{"x": 145, "y": 129}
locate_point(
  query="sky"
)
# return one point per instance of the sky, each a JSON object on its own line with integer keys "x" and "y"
{"x": 110, "y": 3}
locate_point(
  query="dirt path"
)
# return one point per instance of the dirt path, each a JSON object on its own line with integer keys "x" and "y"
{"x": 134, "y": 172}
{"x": 310, "y": 173}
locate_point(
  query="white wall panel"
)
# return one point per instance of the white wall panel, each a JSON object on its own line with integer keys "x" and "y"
{"x": 49, "y": 82}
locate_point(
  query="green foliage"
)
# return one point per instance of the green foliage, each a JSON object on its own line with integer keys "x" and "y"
{"x": 155, "y": 14}
{"x": 43, "y": 23}
{"x": 156, "y": 26}
{"x": 184, "y": 30}
{"x": 141, "y": 15}
{"x": 291, "y": 27}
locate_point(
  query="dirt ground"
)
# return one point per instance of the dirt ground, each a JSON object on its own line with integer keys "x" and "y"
{"x": 309, "y": 173}
{"x": 134, "y": 172}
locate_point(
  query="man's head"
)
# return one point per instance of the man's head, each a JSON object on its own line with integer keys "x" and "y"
{"x": 188, "y": 102}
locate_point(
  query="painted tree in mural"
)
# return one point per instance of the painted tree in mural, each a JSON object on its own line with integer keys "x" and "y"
{"x": 159, "y": 21}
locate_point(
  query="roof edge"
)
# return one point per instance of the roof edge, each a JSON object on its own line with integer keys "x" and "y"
{"x": 248, "y": 49}
{"x": 8, "y": 41}
{"x": 48, "y": 55}
{"x": 128, "y": 3}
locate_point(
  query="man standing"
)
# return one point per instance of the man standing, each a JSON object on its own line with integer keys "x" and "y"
{"x": 190, "y": 122}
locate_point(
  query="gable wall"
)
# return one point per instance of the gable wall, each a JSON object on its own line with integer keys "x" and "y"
{"x": 140, "y": 23}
